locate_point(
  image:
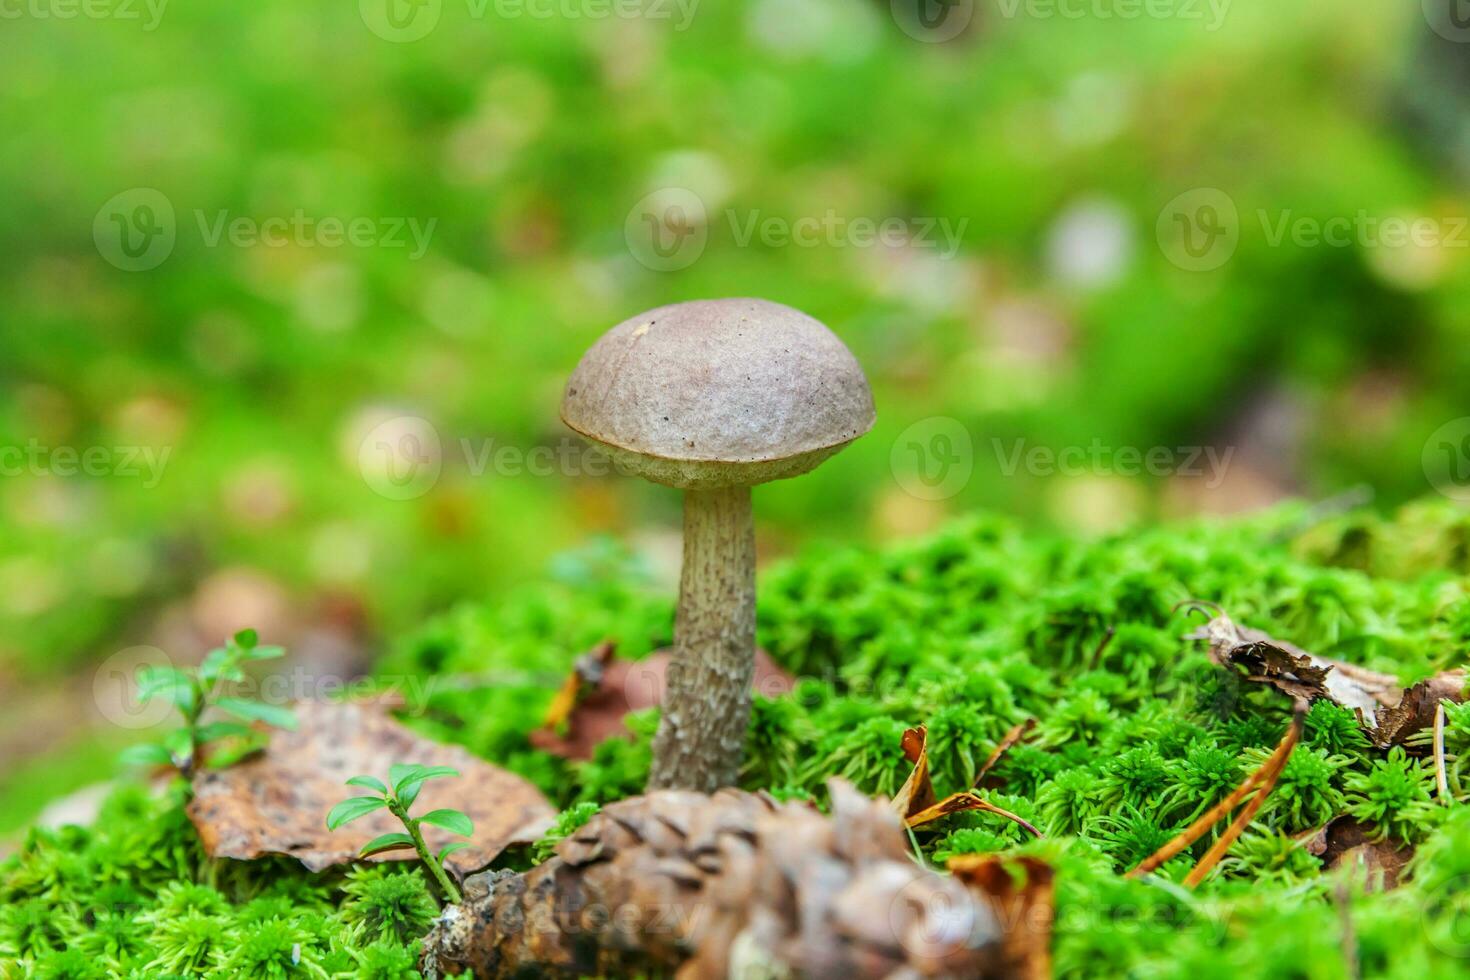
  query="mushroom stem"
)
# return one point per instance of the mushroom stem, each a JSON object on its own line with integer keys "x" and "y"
{"x": 706, "y": 706}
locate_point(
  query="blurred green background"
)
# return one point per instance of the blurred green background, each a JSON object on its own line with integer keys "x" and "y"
{"x": 1097, "y": 234}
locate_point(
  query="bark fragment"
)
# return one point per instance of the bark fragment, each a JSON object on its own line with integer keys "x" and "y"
{"x": 737, "y": 885}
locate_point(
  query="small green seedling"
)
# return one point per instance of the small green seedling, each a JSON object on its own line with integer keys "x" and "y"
{"x": 193, "y": 691}
{"x": 407, "y": 780}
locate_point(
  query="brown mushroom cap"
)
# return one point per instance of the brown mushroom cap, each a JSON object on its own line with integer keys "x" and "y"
{"x": 715, "y": 393}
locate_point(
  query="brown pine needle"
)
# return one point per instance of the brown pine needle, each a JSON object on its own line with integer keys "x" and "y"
{"x": 1007, "y": 743}
{"x": 1441, "y": 777}
{"x": 1262, "y": 781}
{"x": 1270, "y": 773}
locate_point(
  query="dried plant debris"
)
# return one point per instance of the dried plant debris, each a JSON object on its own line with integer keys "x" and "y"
{"x": 1017, "y": 735}
{"x": 1388, "y": 713}
{"x": 602, "y": 689}
{"x": 738, "y": 885}
{"x": 1345, "y": 842}
{"x": 916, "y": 802}
{"x": 277, "y": 802}
{"x": 1416, "y": 709}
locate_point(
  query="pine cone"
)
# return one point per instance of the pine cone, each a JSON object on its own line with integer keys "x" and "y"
{"x": 737, "y": 885}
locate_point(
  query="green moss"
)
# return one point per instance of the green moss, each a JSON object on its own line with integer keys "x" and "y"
{"x": 968, "y": 632}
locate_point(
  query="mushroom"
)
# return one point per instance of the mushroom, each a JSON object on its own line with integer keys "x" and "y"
{"x": 713, "y": 397}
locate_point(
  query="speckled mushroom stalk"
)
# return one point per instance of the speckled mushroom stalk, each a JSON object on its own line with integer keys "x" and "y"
{"x": 707, "y": 701}
{"x": 713, "y": 397}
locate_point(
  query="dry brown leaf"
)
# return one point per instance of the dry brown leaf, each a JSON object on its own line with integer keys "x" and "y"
{"x": 1019, "y": 892}
{"x": 916, "y": 800}
{"x": 1415, "y": 709}
{"x": 1344, "y": 842}
{"x": 1387, "y": 713}
{"x": 917, "y": 792}
{"x": 602, "y": 689}
{"x": 277, "y": 802}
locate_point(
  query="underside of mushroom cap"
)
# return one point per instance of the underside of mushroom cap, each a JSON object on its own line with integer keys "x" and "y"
{"x": 719, "y": 392}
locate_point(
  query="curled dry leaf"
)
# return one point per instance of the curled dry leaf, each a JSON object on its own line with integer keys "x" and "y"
{"x": 277, "y": 802}
{"x": 738, "y": 885}
{"x": 602, "y": 689}
{"x": 1387, "y": 713}
{"x": 916, "y": 801}
{"x": 1345, "y": 843}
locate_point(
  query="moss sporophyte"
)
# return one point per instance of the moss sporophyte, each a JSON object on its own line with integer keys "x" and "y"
{"x": 980, "y": 626}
